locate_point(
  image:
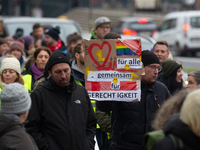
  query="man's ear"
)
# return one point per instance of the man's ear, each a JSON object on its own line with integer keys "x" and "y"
{"x": 95, "y": 29}
{"x": 168, "y": 53}
{"x": 76, "y": 55}
{"x": 49, "y": 73}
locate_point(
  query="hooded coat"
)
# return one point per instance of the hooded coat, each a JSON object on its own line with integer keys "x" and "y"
{"x": 180, "y": 130}
{"x": 78, "y": 74}
{"x": 13, "y": 135}
{"x": 133, "y": 120}
{"x": 61, "y": 118}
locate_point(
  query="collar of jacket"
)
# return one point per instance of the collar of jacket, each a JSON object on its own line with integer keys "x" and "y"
{"x": 93, "y": 34}
{"x": 147, "y": 87}
{"x": 7, "y": 124}
{"x": 63, "y": 46}
{"x": 75, "y": 67}
{"x": 69, "y": 88}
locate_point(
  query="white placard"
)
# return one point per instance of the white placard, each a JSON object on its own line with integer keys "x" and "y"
{"x": 115, "y": 95}
{"x": 109, "y": 75}
{"x": 129, "y": 63}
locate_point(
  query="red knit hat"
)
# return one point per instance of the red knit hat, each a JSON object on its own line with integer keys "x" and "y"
{"x": 17, "y": 45}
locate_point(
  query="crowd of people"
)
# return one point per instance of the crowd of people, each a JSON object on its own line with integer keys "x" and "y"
{"x": 45, "y": 106}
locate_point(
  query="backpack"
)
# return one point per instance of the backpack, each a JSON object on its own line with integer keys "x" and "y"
{"x": 151, "y": 138}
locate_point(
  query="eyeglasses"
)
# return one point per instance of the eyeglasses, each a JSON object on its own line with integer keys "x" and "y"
{"x": 102, "y": 27}
{"x": 153, "y": 68}
{"x": 80, "y": 52}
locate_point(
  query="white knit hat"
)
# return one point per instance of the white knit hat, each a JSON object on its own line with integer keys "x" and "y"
{"x": 10, "y": 63}
{"x": 14, "y": 99}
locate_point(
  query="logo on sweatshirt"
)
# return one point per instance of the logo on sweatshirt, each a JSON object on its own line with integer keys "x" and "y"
{"x": 77, "y": 101}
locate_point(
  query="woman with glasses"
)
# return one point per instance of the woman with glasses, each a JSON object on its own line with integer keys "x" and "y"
{"x": 10, "y": 72}
{"x": 172, "y": 75}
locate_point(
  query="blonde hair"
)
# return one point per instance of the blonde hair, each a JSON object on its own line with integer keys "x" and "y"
{"x": 170, "y": 106}
{"x": 190, "y": 112}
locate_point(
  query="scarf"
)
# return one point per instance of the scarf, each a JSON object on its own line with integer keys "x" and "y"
{"x": 36, "y": 71}
{"x": 2, "y": 84}
{"x": 53, "y": 48}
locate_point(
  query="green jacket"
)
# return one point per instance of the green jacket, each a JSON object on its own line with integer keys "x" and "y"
{"x": 93, "y": 34}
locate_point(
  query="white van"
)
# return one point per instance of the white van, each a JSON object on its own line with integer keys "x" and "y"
{"x": 11, "y": 24}
{"x": 182, "y": 32}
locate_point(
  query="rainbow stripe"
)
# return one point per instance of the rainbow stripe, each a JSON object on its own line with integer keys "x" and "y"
{"x": 121, "y": 49}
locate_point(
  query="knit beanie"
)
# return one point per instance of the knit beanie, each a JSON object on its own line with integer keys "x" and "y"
{"x": 17, "y": 45}
{"x": 190, "y": 111}
{"x": 53, "y": 32}
{"x": 149, "y": 57}
{"x": 14, "y": 99}
{"x": 56, "y": 58}
{"x": 10, "y": 63}
{"x": 168, "y": 67}
{"x": 27, "y": 41}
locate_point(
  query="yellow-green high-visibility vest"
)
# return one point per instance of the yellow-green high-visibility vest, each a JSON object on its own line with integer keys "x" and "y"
{"x": 28, "y": 80}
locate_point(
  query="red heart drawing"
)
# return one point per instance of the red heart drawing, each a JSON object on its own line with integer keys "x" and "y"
{"x": 100, "y": 47}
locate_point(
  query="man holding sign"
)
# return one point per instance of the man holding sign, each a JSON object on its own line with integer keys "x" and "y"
{"x": 133, "y": 119}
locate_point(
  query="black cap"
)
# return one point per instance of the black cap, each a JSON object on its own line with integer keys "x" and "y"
{"x": 53, "y": 32}
{"x": 56, "y": 58}
{"x": 149, "y": 57}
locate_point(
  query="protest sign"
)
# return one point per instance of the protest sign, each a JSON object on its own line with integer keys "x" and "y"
{"x": 1, "y": 27}
{"x": 113, "y": 69}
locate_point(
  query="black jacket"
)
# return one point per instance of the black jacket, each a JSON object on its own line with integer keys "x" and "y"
{"x": 133, "y": 120}
{"x": 180, "y": 130}
{"x": 13, "y": 135}
{"x": 61, "y": 118}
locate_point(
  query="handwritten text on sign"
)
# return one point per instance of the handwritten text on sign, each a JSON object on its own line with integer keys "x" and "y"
{"x": 109, "y": 75}
{"x": 113, "y": 69}
{"x": 115, "y": 95}
{"x": 129, "y": 63}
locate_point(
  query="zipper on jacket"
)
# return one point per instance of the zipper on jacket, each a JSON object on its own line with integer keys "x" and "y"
{"x": 155, "y": 97}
